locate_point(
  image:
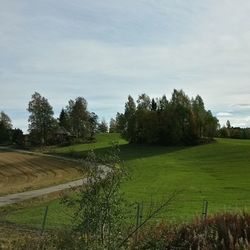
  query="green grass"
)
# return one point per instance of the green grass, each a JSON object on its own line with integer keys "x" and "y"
{"x": 218, "y": 172}
{"x": 102, "y": 142}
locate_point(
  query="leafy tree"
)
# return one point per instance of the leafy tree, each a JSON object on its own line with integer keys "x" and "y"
{"x": 64, "y": 120}
{"x": 147, "y": 127}
{"x": 163, "y": 103}
{"x": 228, "y": 124}
{"x": 199, "y": 114}
{"x": 93, "y": 123}
{"x": 5, "y": 128}
{"x": 79, "y": 117}
{"x": 17, "y": 137}
{"x": 129, "y": 119}
{"x": 143, "y": 102}
{"x": 153, "y": 105}
{"x": 5, "y": 120}
{"x": 211, "y": 125}
{"x": 175, "y": 122}
{"x": 41, "y": 121}
{"x": 112, "y": 126}
{"x": 120, "y": 123}
{"x": 180, "y": 115}
{"x": 223, "y": 132}
{"x": 103, "y": 127}
{"x": 99, "y": 207}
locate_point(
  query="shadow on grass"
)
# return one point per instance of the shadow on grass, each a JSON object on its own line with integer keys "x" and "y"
{"x": 127, "y": 151}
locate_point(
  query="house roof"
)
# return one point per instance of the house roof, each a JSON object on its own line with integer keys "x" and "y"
{"x": 63, "y": 131}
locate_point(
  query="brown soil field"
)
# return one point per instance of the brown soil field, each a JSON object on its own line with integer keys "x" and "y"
{"x": 21, "y": 172}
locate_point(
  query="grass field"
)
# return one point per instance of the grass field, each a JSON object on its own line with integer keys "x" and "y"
{"x": 218, "y": 172}
{"x": 21, "y": 172}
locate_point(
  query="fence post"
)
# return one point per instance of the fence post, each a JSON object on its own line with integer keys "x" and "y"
{"x": 141, "y": 213}
{"x": 137, "y": 220}
{"x": 44, "y": 219}
{"x": 204, "y": 209}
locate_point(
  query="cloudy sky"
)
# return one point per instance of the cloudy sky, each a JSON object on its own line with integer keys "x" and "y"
{"x": 104, "y": 50}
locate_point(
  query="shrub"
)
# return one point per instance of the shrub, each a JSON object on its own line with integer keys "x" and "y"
{"x": 222, "y": 231}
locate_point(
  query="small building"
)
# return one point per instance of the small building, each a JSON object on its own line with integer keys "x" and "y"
{"x": 63, "y": 136}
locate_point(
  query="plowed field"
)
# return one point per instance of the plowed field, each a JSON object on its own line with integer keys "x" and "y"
{"x": 20, "y": 172}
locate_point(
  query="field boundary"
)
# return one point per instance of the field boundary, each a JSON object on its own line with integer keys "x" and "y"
{"x": 40, "y": 154}
{"x": 22, "y": 196}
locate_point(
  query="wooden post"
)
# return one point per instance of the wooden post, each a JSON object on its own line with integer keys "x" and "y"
{"x": 137, "y": 220}
{"x": 204, "y": 209}
{"x": 44, "y": 219}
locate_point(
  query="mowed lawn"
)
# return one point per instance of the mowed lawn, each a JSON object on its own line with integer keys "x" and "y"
{"x": 218, "y": 172}
{"x": 21, "y": 171}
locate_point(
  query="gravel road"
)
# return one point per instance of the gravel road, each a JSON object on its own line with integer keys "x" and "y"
{"x": 19, "y": 197}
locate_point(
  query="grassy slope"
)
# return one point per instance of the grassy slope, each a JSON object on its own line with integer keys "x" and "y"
{"x": 218, "y": 172}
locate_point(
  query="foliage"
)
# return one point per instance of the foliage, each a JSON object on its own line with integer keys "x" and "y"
{"x": 93, "y": 123}
{"x": 112, "y": 126}
{"x": 78, "y": 120}
{"x": 223, "y": 231}
{"x": 180, "y": 121}
{"x": 17, "y": 137}
{"x": 103, "y": 127}
{"x": 218, "y": 172}
{"x": 5, "y": 128}
{"x": 64, "y": 120}
{"x": 233, "y": 132}
{"x": 75, "y": 122}
{"x": 63, "y": 240}
{"x": 98, "y": 208}
{"x": 41, "y": 121}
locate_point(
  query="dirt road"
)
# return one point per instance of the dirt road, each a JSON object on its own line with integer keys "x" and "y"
{"x": 19, "y": 197}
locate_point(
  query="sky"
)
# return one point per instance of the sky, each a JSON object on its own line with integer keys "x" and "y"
{"x": 104, "y": 50}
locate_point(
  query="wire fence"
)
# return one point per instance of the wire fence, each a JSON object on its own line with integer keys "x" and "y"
{"x": 139, "y": 211}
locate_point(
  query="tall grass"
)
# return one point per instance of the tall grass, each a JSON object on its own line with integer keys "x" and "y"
{"x": 219, "y": 232}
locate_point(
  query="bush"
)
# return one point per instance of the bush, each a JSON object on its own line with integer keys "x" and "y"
{"x": 223, "y": 231}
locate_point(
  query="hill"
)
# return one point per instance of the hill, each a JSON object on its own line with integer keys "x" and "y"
{"x": 218, "y": 172}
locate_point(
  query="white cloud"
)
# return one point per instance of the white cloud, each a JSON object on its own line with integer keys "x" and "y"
{"x": 114, "y": 48}
{"x": 223, "y": 114}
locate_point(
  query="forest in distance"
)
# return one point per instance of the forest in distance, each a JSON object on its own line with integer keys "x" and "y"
{"x": 181, "y": 120}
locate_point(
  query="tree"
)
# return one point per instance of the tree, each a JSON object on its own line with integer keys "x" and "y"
{"x": 129, "y": 119}
{"x": 79, "y": 117}
{"x": 180, "y": 121}
{"x": 99, "y": 207}
{"x": 41, "y": 121}
{"x": 163, "y": 103}
{"x": 143, "y": 102}
{"x": 17, "y": 137}
{"x": 103, "y": 127}
{"x": 180, "y": 118}
{"x": 153, "y": 105}
{"x": 5, "y": 128}
{"x": 93, "y": 123}
{"x": 64, "y": 120}
{"x": 199, "y": 114}
{"x": 211, "y": 125}
{"x": 112, "y": 126}
{"x": 5, "y": 120}
{"x": 120, "y": 123}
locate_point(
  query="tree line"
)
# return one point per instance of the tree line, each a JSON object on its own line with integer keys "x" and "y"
{"x": 7, "y": 133}
{"x": 75, "y": 124}
{"x": 178, "y": 121}
{"x": 233, "y": 132}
